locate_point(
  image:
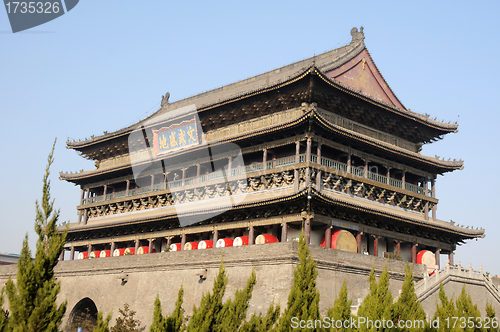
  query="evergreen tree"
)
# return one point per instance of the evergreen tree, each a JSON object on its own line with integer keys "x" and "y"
{"x": 204, "y": 318}
{"x": 127, "y": 323}
{"x": 234, "y": 310}
{"x": 492, "y": 320}
{"x": 158, "y": 324}
{"x": 469, "y": 312}
{"x": 32, "y": 298}
{"x": 341, "y": 310}
{"x": 257, "y": 323}
{"x": 407, "y": 306}
{"x": 174, "y": 322}
{"x": 446, "y": 312}
{"x": 377, "y": 305}
{"x": 3, "y": 313}
{"x": 102, "y": 324}
{"x": 303, "y": 300}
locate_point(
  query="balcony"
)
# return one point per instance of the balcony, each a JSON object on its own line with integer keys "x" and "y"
{"x": 258, "y": 167}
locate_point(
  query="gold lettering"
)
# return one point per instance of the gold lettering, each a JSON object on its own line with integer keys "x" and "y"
{"x": 182, "y": 136}
{"x": 173, "y": 142}
{"x": 163, "y": 142}
{"x": 190, "y": 132}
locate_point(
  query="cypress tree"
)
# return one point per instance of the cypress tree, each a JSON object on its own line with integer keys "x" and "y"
{"x": 158, "y": 324}
{"x": 204, "y": 317}
{"x": 492, "y": 320}
{"x": 257, "y": 323}
{"x": 174, "y": 322}
{"x": 407, "y": 307}
{"x": 303, "y": 300}
{"x": 469, "y": 312}
{"x": 234, "y": 310}
{"x": 3, "y": 314}
{"x": 377, "y": 305}
{"x": 341, "y": 310}
{"x": 32, "y": 298}
{"x": 446, "y": 312}
{"x": 102, "y": 324}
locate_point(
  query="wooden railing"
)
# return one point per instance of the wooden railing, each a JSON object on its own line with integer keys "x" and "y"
{"x": 257, "y": 167}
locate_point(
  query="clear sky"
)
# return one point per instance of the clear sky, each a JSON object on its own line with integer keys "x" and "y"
{"x": 106, "y": 64}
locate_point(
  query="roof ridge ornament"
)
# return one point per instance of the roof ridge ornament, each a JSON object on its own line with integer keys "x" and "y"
{"x": 164, "y": 99}
{"x": 357, "y": 37}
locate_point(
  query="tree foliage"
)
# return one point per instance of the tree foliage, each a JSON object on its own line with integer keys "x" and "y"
{"x": 341, "y": 310}
{"x": 204, "y": 318}
{"x": 3, "y": 313}
{"x": 102, "y": 324}
{"x": 407, "y": 307}
{"x": 491, "y": 315}
{"x": 175, "y": 321}
{"x": 377, "y": 305}
{"x": 234, "y": 311}
{"x": 127, "y": 322}
{"x": 303, "y": 300}
{"x": 32, "y": 298}
{"x": 257, "y": 323}
{"x": 158, "y": 324}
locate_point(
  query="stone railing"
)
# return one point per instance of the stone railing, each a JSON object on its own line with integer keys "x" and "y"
{"x": 430, "y": 284}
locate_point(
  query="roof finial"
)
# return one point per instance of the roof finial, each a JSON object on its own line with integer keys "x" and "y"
{"x": 357, "y": 36}
{"x": 164, "y": 99}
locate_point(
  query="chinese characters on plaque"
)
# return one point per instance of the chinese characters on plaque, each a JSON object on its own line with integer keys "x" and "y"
{"x": 175, "y": 137}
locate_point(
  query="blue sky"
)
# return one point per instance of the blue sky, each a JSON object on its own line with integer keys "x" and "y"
{"x": 106, "y": 64}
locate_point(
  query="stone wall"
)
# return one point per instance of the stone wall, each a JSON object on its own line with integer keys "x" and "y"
{"x": 136, "y": 280}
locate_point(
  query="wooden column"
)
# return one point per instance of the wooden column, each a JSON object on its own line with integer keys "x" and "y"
{"x": 450, "y": 258}
{"x": 308, "y": 149}
{"x": 349, "y": 162}
{"x": 318, "y": 153}
{"x": 437, "y": 254}
{"x": 229, "y": 165}
{"x": 414, "y": 253}
{"x": 358, "y": 241}
{"x": 89, "y": 249}
{"x": 61, "y": 257}
{"x": 183, "y": 175}
{"x": 328, "y": 237}
{"x": 366, "y": 168}
{"x": 183, "y": 241}
{"x": 152, "y": 182}
{"x": 127, "y": 188}
{"x": 433, "y": 190}
{"x": 426, "y": 207}
{"x": 72, "y": 253}
{"x": 80, "y": 213}
{"x": 398, "y": 249}
{"x": 307, "y": 229}
{"x": 403, "y": 179}
{"x": 113, "y": 245}
{"x": 264, "y": 159}
{"x": 169, "y": 241}
{"x": 150, "y": 248}
{"x": 297, "y": 152}
{"x": 105, "y": 192}
{"x": 375, "y": 246}
{"x": 388, "y": 175}
{"x": 216, "y": 237}
{"x": 284, "y": 231}
{"x": 137, "y": 242}
{"x": 198, "y": 172}
{"x": 251, "y": 235}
